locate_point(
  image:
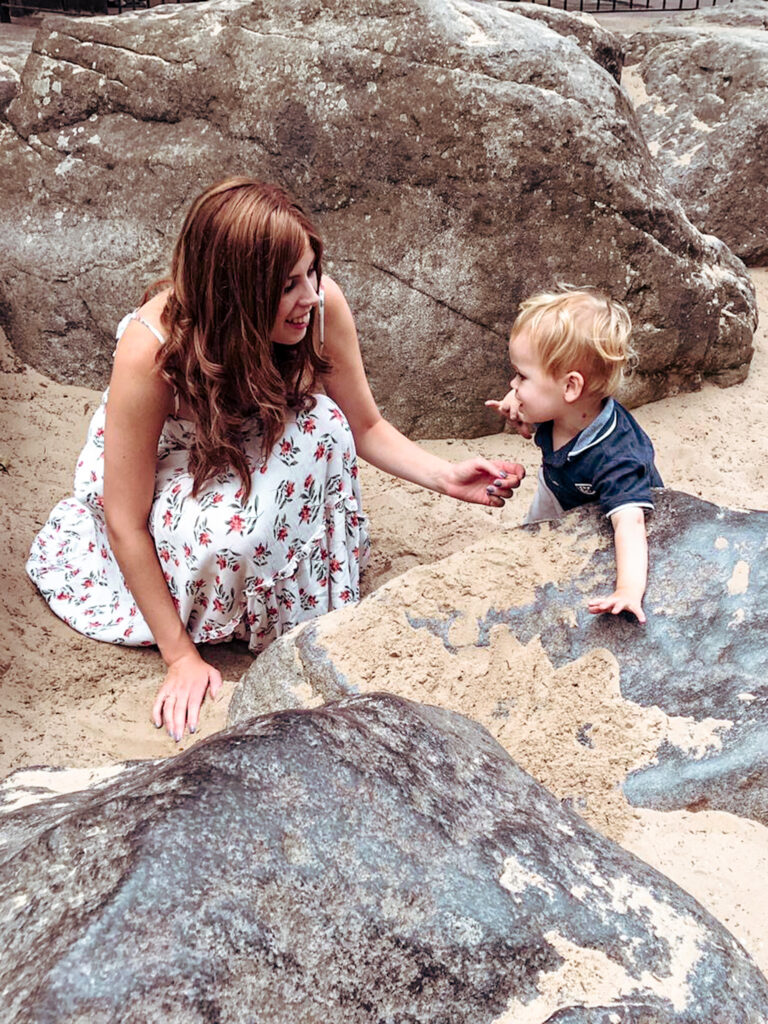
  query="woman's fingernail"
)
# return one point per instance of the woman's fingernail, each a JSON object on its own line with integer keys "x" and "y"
{"x": 489, "y": 490}
{"x": 503, "y": 474}
{"x": 192, "y": 729}
{"x": 157, "y": 725}
{"x": 177, "y": 737}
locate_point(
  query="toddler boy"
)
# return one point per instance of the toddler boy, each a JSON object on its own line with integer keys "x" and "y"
{"x": 568, "y": 350}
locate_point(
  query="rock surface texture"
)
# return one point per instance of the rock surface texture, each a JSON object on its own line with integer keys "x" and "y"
{"x": 373, "y": 860}
{"x": 674, "y": 715}
{"x": 699, "y": 84}
{"x": 457, "y": 155}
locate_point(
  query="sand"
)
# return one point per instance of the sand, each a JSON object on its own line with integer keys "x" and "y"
{"x": 74, "y": 702}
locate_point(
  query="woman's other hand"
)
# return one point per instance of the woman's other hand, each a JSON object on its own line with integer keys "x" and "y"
{"x": 483, "y": 481}
{"x": 177, "y": 705}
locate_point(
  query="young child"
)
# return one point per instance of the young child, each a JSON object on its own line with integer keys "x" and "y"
{"x": 568, "y": 350}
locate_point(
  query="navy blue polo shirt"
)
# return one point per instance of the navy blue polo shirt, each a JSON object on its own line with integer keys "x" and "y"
{"x": 610, "y": 461}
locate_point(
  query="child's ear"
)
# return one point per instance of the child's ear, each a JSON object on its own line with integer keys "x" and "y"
{"x": 573, "y": 386}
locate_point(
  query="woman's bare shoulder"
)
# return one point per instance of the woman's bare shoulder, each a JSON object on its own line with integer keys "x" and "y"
{"x": 152, "y": 310}
{"x": 140, "y": 340}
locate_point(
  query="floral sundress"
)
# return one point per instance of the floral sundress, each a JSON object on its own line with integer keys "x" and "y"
{"x": 249, "y": 570}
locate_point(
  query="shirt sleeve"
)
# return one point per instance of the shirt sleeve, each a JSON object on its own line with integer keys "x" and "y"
{"x": 623, "y": 482}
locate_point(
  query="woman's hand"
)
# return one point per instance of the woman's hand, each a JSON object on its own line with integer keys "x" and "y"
{"x": 509, "y": 408}
{"x": 483, "y": 481}
{"x": 179, "y": 698}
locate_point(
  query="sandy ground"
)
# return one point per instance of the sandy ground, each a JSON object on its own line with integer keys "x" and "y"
{"x": 70, "y": 701}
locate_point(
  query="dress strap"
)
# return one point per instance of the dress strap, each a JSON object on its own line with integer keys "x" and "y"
{"x": 148, "y": 325}
{"x": 145, "y": 323}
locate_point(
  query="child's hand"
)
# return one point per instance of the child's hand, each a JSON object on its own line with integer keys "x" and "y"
{"x": 619, "y": 601}
{"x": 509, "y": 408}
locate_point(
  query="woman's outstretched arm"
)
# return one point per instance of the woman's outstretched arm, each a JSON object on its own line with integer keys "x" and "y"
{"x": 139, "y": 401}
{"x": 480, "y": 480}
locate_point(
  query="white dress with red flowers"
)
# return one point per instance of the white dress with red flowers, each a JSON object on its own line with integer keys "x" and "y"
{"x": 249, "y": 570}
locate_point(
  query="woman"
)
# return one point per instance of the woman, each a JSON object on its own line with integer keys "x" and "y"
{"x": 217, "y": 496}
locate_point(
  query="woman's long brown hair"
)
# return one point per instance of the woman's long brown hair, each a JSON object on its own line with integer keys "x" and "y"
{"x": 238, "y": 245}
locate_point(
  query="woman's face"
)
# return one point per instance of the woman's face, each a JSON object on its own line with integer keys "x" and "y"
{"x": 299, "y": 296}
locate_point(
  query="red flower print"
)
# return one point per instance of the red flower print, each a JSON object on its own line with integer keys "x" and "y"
{"x": 218, "y": 497}
{"x": 282, "y": 533}
{"x": 87, "y": 583}
{"x": 204, "y": 539}
{"x": 285, "y": 447}
{"x": 346, "y": 595}
{"x": 187, "y": 551}
{"x": 336, "y": 415}
{"x": 221, "y": 562}
{"x": 259, "y": 550}
{"x": 334, "y": 565}
{"x": 305, "y": 513}
{"x": 235, "y": 524}
{"x": 128, "y": 631}
{"x": 165, "y": 554}
{"x": 218, "y": 606}
{"x": 319, "y": 451}
{"x": 308, "y": 482}
{"x": 290, "y": 487}
{"x": 167, "y": 517}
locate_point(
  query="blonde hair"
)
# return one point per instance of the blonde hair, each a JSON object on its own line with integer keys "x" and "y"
{"x": 578, "y": 329}
{"x": 240, "y": 241}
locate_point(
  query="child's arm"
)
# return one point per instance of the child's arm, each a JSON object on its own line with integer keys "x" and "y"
{"x": 631, "y": 565}
{"x": 508, "y": 408}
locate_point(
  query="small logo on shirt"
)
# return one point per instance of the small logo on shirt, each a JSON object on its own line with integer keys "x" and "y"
{"x": 585, "y": 488}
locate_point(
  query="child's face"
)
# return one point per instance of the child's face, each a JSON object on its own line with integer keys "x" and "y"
{"x": 540, "y": 396}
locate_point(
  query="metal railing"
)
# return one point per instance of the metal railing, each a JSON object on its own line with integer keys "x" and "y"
{"x": 644, "y": 6}
{"x": 10, "y": 9}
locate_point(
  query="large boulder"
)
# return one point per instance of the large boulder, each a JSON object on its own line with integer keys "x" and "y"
{"x": 375, "y": 860}
{"x": 699, "y": 84}
{"x": 457, "y": 155}
{"x": 671, "y": 715}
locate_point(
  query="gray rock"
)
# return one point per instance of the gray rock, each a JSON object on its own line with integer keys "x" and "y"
{"x": 374, "y": 860}
{"x": 736, "y": 14}
{"x": 700, "y": 91}
{"x": 694, "y": 679}
{"x": 605, "y": 48}
{"x": 9, "y": 85}
{"x": 456, "y": 155}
